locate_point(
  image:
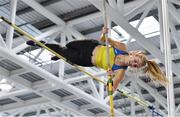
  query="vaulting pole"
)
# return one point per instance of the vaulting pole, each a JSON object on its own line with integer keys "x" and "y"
{"x": 110, "y": 81}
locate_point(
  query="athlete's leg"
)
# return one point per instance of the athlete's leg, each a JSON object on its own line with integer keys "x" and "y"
{"x": 78, "y": 44}
{"x": 69, "y": 54}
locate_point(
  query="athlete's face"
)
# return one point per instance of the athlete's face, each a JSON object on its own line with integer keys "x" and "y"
{"x": 135, "y": 61}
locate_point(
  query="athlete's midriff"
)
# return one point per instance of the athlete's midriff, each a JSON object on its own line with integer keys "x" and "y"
{"x": 99, "y": 57}
{"x": 94, "y": 54}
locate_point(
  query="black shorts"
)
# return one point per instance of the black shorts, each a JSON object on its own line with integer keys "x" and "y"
{"x": 78, "y": 52}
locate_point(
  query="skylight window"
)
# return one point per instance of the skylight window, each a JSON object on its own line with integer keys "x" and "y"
{"x": 149, "y": 28}
{"x": 5, "y": 86}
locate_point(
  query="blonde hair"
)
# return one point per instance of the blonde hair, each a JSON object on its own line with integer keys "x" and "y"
{"x": 155, "y": 73}
{"x": 152, "y": 69}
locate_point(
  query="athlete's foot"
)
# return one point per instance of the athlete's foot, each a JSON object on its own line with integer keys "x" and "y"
{"x": 32, "y": 43}
{"x": 54, "y": 58}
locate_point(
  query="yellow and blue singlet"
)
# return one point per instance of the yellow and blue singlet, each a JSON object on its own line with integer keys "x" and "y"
{"x": 101, "y": 58}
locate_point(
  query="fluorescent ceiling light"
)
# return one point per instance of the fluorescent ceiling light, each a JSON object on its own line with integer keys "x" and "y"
{"x": 5, "y": 87}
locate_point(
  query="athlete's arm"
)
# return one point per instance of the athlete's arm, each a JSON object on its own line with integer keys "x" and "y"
{"x": 116, "y": 44}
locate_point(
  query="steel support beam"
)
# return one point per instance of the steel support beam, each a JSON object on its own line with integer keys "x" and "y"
{"x": 84, "y": 18}
{"x": 88, "y": 16}
{"x": 2, "y": 42}
{"x": 120, "y": 6}
{"x": 168, "y": 60}
{"x": 132, "y": 101}
{"x": 174, "y": 35}
{"x": 44, "y": 3}
{"x": 145, "y": 13}
{"x": 138, "y": 9}
{"x": 153, "y": 93}
{"x": 177, "y": 109}
{"x": 161, "y": 26}
{"x": 10, "y": 33}
{"x": 94, "y": 89}
{"x": 113, "y": 4}
{"x": 84, "y": 77}
{"x": 61, "y": 62}
{"x": 43, "y": 11}
{"x": 40, "y": 37}
{"x": 33, "y": 102}
{"x": 101, "y": 88}
{"x": 175, "y": 14}
{"x": 175, "y": 2}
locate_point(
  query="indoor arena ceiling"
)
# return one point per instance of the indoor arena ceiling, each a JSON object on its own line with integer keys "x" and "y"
{"x": 40, "y": 88}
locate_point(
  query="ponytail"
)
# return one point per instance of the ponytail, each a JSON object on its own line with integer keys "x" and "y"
{"x": 156, "y": 74}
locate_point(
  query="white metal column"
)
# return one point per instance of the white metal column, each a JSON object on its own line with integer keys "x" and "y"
{"x": 101, "y": 88}
{"x": 168, "y": 61}
{"x": 10, "y": 33}
{"x": 161, "y": 26}
{"x": 2, "y": 43}
{"x": 132, "y": 101}
{"x": 61, "y": 62}
{"x": 120, "y": 6}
